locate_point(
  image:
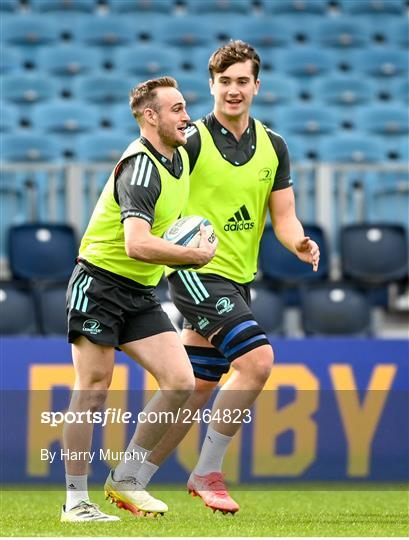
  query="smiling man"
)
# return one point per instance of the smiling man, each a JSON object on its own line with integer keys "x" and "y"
{"x": 239, "y": 170}
{"x": 110, "y": 299}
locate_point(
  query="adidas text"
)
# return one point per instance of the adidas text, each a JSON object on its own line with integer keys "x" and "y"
{"x": 241, "y": 226}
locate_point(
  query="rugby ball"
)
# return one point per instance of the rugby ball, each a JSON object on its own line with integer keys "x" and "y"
{"x": 186, "y": 232}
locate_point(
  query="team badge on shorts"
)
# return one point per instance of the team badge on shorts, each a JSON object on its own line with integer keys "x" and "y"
{"x": 224, "y": 305}
{"x": 92, "y": 326}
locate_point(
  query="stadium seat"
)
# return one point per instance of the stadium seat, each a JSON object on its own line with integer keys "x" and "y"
{"x": 304, "y": 61}
{"x": 307, "y": 119}
{"x": 378, "y": 62}
{"x": 352, "y": 149}
{"x": 141, "y": 6}
{"x": 84, "y": 6}
{"x": 23, "y": 147}
{"x": 106, "y": 31}
{"x": 27, "y": 89}
{"x": 148, "y": 60}
{"x": 342, "y": 32}
{"x": 283, "y": 270}
{"x": 268, "y": 309}
{"x": 42, "y": 251}
{"x": 389, "y": 198}
{"x": 69, "y": 60}
{"x": 372, "y": 7}
{"x": 50, "y": 298}
{"x": 334, "y": 309}
{"x": 8, "y": 118}
{"x": 11, "y": 60}
{"x": 103, "y": 147}
{"x": 102, "y": 88}
{"x": 343, "y": 90}
{"x": 7, "y": 6}
{"x": 296, "y": 7}
{"x": 187, "y": 31}
{"x": 18, "y": 316}
{"x": 400, "y": 89}
{"x": 302, "y": 148}
{"x": 265, "y": 114}
{"x": 29, "y": 30}
{"x": 276, "y": 90}
{"x": 260, "y": 32}
{"x": 374, "y": 254}
{"x": 194, "y": 89}
{"x": 384, "y": 119}
{"x": 61, "y": 117}
{"x": 400, "y": 33}
{"x": 218, "y": 6}
{"x": 119, "y": 117}
{"x": 199, "y": 110}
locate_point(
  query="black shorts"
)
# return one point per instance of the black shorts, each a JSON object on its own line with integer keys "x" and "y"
{"x": 109, "y": 314}
{"x": 207, "y": 301}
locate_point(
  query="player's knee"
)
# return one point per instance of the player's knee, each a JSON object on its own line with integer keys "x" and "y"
{"x": 256, "y": 365}
{"x": 180, "y": 383}
{"x": 208, "y": 365}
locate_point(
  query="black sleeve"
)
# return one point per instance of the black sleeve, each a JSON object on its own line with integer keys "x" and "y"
{"x": 193, "y": 145}
{"x": 137, "y": 188}
{"x": 283, "y": 177}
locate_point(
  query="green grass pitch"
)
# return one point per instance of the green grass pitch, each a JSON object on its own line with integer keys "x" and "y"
{"x": 304, "y": 510}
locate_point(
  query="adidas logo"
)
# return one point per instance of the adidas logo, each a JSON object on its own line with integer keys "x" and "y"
{"x": 71, "y": 486}
{"x": 241, "y": 221}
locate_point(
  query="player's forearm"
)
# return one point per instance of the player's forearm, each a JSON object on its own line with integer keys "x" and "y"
{"x": 155, "y": 250}
{"x": 289, "y": 231}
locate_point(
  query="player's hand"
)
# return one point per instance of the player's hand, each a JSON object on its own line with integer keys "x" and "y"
{"x": 308, "y": 251}
{"x": 207, "y": 247}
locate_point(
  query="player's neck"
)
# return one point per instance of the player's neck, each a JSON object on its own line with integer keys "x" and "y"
{"x": 236, "y": 126}
{"x": 159, "y": 146}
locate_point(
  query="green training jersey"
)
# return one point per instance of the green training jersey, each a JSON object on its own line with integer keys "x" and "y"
{"x": 103, "y": 243}
{"x": 234, "y": 197}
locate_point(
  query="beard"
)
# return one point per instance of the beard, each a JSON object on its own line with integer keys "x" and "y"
{"x": 167, "y": 136}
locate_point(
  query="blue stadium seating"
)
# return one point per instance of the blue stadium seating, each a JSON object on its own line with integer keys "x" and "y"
{"x": 18, "y": 311}
{"x": 69, "y": 60}
{"x": 62, "y": 117}
{"x": 103, "y": 147}
{"x": 187, "y": 31}
{"x": 268, "y": 309}
{"x": 120, "y": 118}
{"x": 141, "y": 6}
{"x": 51, "y": 301}
{"x": 400, "y": 89}
{"x": 260, "y": 32}
{"x": 400, "y": 33}
{"x": 374, "y": 254}
{"x": 42, "y": 251}
{"x": 304, "y": 61}
{"x": 384, "y": 120}
{"x": 27, "y": 89}
{"x": 379, "y": 62}
{"x": 218, "y": 6}
{"x": 11, "y": 60}
{"x": 103, "y": 88}
{"x": 372, "y": 7}
{"x": 147, "y": 61}
{"x": 276, "y": 89}
{"x": 194, "y": 89}
{"x": 342, "y": 32}
{"x": 334, "y": 309}
{"x": 351, "y": 149}
{"x": 9, "y": 5}
{"x": 296, "y": 7}
{"x": 284, "y": 270}
{"x": 389, "y": 198}
{"x": 83, "y": 6}
{"x": 29, "y": 30}
{"x": 106, "y": 31}
{"x": 342, "y": 90}
{"x": 26, "y": 147}
{"x": 307, "y": 119}
{"x": 8, "y": 118}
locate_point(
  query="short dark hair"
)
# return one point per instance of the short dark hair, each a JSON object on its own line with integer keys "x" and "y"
{"x": 143, "y": 95}
{"x": 231, "y": 53}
